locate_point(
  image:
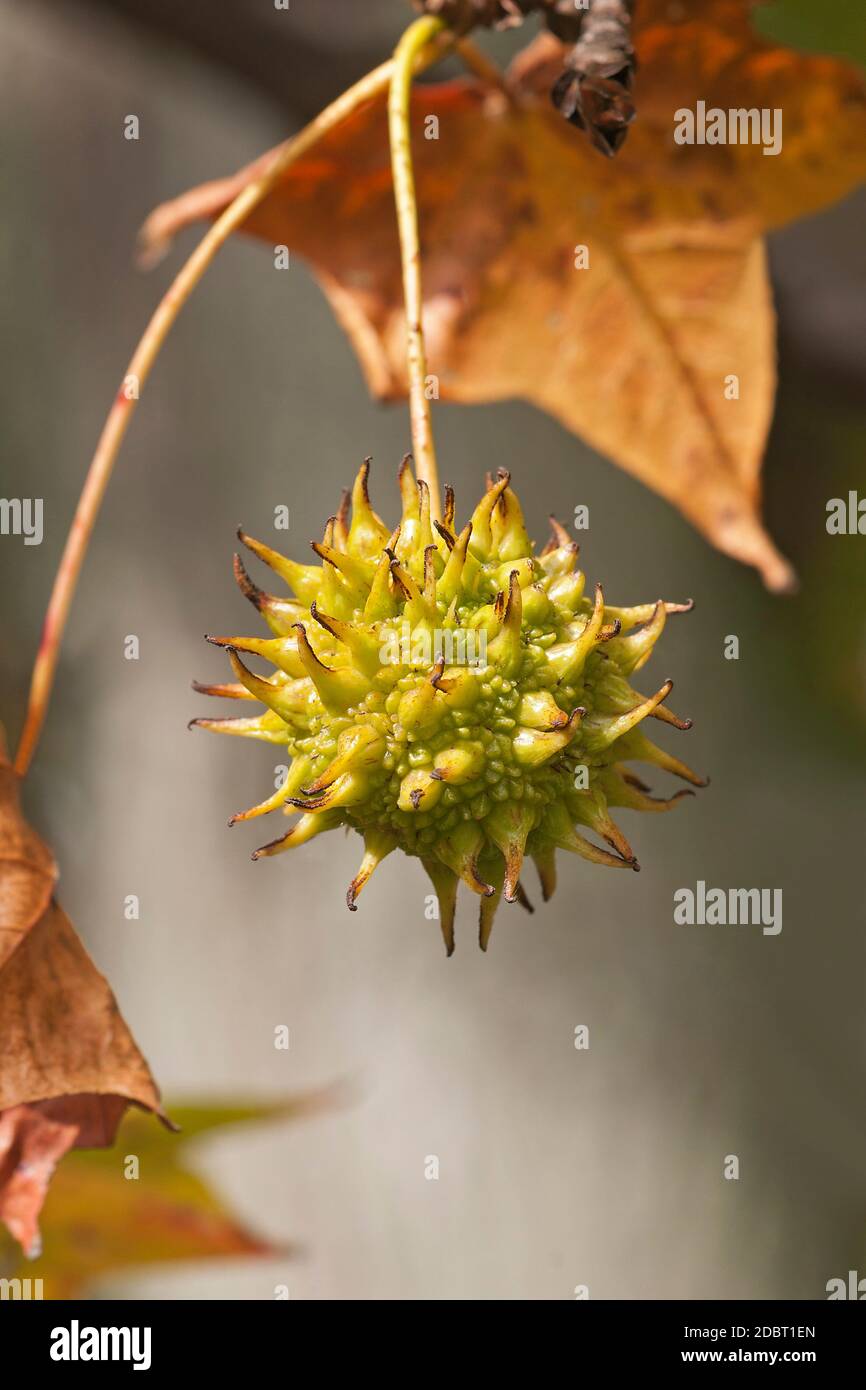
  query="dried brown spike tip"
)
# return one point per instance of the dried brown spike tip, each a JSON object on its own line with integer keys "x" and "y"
{"x": 558, "y": 536}
{"x": 668, "y": 717}
{"x": 408, "y": 490}
{"x": 246, "y": 585}
{"x": 341, "y": 520}
{"x": 404, "y": 581}
{"x": 450, "y": 509}
{"x": 228, "y": 690}
{"x": 430, "y": 553}
{"x": 278, "y": 613}
{"x": 445, "y": 534}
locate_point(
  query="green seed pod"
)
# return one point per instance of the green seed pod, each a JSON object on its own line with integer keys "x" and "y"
{"x": 451, "y": 694}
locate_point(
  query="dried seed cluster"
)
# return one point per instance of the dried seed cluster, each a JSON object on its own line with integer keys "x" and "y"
{"x": 450, "y": 694}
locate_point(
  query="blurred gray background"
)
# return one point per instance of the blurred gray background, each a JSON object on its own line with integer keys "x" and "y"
{"x": 557, "y": 1167}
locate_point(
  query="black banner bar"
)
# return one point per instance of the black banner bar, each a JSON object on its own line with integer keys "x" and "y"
{"x": 82, "y": 1339}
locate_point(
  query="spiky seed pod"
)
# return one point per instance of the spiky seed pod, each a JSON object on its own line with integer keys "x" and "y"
{"x": 451, "y": 694}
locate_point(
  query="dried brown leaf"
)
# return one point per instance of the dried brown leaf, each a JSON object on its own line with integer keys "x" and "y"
{"x": 70, "y": 1066}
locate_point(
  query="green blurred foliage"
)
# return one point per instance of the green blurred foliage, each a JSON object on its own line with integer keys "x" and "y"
{"x": 835, "y": 26}
{"x": 98, "y": 1218}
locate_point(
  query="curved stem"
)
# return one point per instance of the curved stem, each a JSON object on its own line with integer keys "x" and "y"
{"x": 478, "y": 63}
{"x": 139, "y": 368}
{"x": 415, "y": 38}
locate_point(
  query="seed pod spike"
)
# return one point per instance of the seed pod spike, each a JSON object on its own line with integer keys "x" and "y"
{"x": 488, "y": 907}
{"x": 338, "y": 690}
{"x": 509, "y": 826}
{"x": 362, "y": 646}
{"x": 367, "y": 532}
{"x": 378, "y": 844}
{"x": 559, "y": 537}
{"x": 638, "y": 748}
{"x": 506, "y": 648}
{"x": 445, "y": 884}
{"x": 420, "y": 791}
{"x": 460, "y": 853}
{"x": 523, "y": 899}
{"x": 303, "y": 580}
{"x": 229, "y": 690}
{"x": 356, "y": 574}
{"x": 282, "y": 652}
{"x": 482, "y": 534}
{"x": 604, "y": 732}
{"x": 425, "y": 528}
{"x": 242, "y": 728}
{"x": 284, "y": 700}
{"x": 419, "y": 609}
{"x": 451, "y": 583}
{"x": 589, "y": 808}
{"x": 508, "y": 528}
{"x": 447, "y": 523}
{"x": 298, "y": 773}
{"x": 635, "y": 650}
{"x": 643, "y": 612}
{"x": 668, "y": 717}
{"x": 544, "y": 859}
{"x": 346, "y": 790}
{"x": 622, "y": 791}
{"x": 568, "y": 659}
{"x": 382, "y": 600}
{"x": 556, "y": 825}
{"x": 341, "y": 520}
{"x": 430, "y": 558}
{"x": 560, "y": 560}
{"x": 358, "y": 749}
{"x": 278, "y": 613}
{"x": 302, "y": 831}
{"x": 459, "y": 764}
{"x": 539, "y": 710}
{"x": 535, "y": 747}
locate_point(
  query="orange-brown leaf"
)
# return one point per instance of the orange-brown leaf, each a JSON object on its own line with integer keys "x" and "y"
{"x": 27, "y": 869}
{"x": 69, "y": 1066}
{"x": 633, "y": 352}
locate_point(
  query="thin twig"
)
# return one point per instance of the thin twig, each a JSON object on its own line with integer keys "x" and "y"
{"x": 416, "y": 37}
{"x": 142, "y": 361}
{"x": 483, "y": 67}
